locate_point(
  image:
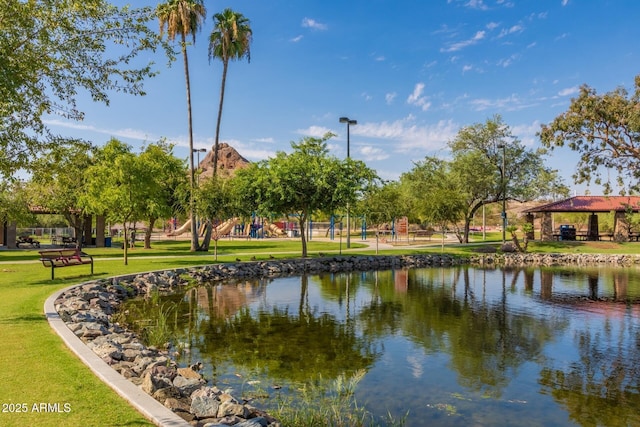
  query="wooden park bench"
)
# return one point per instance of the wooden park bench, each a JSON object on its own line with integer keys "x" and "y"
{"x": 58, "y": 258}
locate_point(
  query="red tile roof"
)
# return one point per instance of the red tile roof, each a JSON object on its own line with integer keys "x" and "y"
{"x": 590, "y": 204}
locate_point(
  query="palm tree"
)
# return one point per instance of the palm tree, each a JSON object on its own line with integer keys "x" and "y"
{"x": 230, "y": 39}
{"x": 183, "y": 18}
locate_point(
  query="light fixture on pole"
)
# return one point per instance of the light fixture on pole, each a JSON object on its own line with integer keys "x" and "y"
{"x": 504, "y": 192}
{"x": 349, "y": 122}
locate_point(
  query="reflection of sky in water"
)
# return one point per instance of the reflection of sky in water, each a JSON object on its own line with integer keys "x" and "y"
{"x": 485, "y": 348}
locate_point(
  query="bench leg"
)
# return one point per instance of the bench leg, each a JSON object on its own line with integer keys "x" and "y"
{"x": 52, "y": 270}
{"x": 92, "y": 267}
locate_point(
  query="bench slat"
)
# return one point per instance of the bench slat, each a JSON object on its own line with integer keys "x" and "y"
{"x": 57, "y": 258}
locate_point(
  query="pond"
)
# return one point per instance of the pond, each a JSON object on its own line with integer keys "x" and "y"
{"x": 434, "y": 347}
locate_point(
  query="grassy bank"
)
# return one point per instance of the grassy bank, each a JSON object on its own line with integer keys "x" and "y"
{"x": 41, "y": 378}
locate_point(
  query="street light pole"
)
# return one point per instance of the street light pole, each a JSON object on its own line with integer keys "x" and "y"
{"x": 349, "y": 122}
{"x": 198, "y": 151}
{"x": 504, "y": 193}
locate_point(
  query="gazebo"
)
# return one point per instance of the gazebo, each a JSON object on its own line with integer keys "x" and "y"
{"x": 620, "y": 205}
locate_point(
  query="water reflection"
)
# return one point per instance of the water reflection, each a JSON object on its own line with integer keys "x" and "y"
{"x": 453, "y": 346}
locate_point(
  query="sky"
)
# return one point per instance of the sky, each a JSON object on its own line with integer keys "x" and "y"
{"x": 411, "y": 72}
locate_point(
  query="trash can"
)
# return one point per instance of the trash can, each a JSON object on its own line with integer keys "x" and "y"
{"x": 567, "y": 232}
{"x": 107, "y": 242}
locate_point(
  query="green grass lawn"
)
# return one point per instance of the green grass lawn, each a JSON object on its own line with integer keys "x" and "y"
{"x": 38, "y": 369}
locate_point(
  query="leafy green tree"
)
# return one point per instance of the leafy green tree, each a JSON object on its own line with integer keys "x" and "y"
{"x": 53, "y": 50}
{"x": 436, "y": 196}
{"x": 58, "y": 181}
{"x": 14, "y": 203}
{"x": 382, "y": 202}
{"x": 119, "y": 185}
{"x": 491, "y": 165}
{"x": 214, "y": 202}
{"x": 306, "y": 181}
{"x": 230, "y": 39}
{"x": 168, "y": 176}
{"x": 605, "y": 131}
{"x": 183, "y": 18}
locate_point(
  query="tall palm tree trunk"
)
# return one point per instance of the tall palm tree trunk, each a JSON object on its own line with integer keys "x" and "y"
{"x": 225, "y": 65}
{"x": 192, "y": 214}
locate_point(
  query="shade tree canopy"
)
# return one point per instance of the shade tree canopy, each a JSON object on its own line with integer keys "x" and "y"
{"x": 433, "y": 193}
{"x": 303, "y": 182}
{"x": 490, "y": 164}
{"x": 50, "y": 52}
{"x": 57, "y": 181}
{"x": 604, "y": 129}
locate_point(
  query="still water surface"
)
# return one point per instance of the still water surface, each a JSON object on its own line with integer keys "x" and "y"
{"x": 441, "y": 346}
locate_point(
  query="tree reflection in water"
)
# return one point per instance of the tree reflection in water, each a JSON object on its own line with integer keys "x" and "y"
{"x": 515, "y": 346}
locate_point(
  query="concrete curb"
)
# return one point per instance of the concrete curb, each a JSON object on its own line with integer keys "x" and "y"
{"x": 145, "y": 404}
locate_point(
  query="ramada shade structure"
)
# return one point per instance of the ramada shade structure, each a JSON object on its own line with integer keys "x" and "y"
{"x": 589, "y": 204}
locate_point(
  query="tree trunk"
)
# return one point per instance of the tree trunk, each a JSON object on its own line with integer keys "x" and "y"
{"x": 77, "y": 222}
{"x": 147, "y": 233}
{"x": 206, "y": 240}
{"x": 192, "y": 216}
{"x": 302, "y": 219}
{"x": 125, "y": 247}
{"x": 225, "y": 65}
{"x": 467, "y": 227}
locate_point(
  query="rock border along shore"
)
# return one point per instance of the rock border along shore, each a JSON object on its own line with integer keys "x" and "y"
{"x": 86, "y": 310}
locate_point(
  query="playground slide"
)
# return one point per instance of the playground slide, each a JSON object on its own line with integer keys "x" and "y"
{"x": 183, "y": 229}
{"x": 274, "y": 230}
{"x": 226, "y": 227}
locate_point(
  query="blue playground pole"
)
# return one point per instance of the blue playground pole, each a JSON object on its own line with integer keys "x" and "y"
{"x": 310, "y": 227}
{"x": 364, "y": 228}
{"x": 332, "y": 227}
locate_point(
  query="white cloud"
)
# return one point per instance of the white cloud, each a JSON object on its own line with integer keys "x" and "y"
{"x": 565, "y": 2}
{"x": 406, "y": 135}
{"x": 476, "y": 4}
{"x": 510, "y": 103}
{"x": 505, "y": 62}
{"x": 250, "y": 151}
{"x": 118, "y": 133}
{"x": 417, "y": 99}
{"x": 390, "y": 97}
{"x": 264, "y": 140}
{"x": 313, "y": 24}
{"x": 370, "y": 153}
{"x": 466, "y": 68}
{"x": 366, "y": 96}
{"x": 492, "y": 25}
{"x": 527, "y": 133}
{"x": 569, "y": 91}
{"x": 465, "y": 43}
{"x": 314, "y": 131}
{"x": 297, "y": 39}
{"x": 511, "y": 30}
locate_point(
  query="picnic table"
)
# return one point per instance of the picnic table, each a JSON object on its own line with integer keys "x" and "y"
{"x": 25, "y": 240}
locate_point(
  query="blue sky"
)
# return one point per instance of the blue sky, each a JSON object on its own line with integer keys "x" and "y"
{"x": 411, "y": 72}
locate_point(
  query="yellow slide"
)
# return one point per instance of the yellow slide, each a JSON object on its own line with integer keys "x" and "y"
{"x": 183, "y": 229}
{"x": 273, "y": 229}
{"x": 226, "y": 227}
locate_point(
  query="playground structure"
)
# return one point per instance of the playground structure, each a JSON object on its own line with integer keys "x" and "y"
{"x": 233, "y": 227}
